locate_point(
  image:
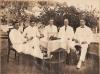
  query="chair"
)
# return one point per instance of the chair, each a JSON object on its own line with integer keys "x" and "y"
{"x": 73, "y": 57}
{"x": 57, "y": 61}
{"x": 10, "y": 48}
{"x": 78, "y": 49}
{"x": 92, "y": 50}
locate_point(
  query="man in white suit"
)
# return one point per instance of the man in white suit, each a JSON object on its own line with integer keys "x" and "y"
{"x": 50, "y": 30}
{"x": 32, "y": 34}
{"x": 19, "y": 43}
{"x": 83, "y": 37}
{"x": 66, "y": 34}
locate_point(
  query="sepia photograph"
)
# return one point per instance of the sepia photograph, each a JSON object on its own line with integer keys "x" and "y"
{"x": 49, "y": 36}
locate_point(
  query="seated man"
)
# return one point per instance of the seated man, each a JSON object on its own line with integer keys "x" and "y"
{"x": 19, "y": 43}
{"x": 50, "y": 30}
{"x": 66, "y": 34}
{"x": 32, "y": 35}
{"x": 83, "y": 37}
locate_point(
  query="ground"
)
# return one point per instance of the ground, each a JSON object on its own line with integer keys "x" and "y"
{"x": 27, "y": 66}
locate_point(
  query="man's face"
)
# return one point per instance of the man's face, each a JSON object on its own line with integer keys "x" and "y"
{"x": 66, "y": 22}
{"x": 82, "y": 23}
{"x": 16, "y": 26}
{"x": 32, "y": 24}
{"x": 51, "y": 22}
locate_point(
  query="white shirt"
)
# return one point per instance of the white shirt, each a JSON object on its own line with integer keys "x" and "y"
{"x": 31, "y": 32}
{"x": 16, "y": 37}
{"x": 66, "y": 34}
{"x": 50, "y": 31}
{"x": 84, "y": 34}
{"x": 18, "y": 44}
{"x": 21, "y": 28}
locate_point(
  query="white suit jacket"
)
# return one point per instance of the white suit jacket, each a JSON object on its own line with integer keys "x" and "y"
{"x": 84, "y": 34}
{"x": 50, "y": 31}
{"x": 66, "y": 34}
{"x": 31, "y": 32}
{"x": 17, "y": 40}
{"x": 16, "y": 37}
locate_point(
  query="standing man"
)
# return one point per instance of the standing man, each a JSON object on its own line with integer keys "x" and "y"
{"x": 32, "y": 35}
{"x": 83, "y": 37}
{"x": 66, "y": 34}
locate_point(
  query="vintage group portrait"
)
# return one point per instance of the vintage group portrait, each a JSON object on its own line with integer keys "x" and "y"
{"x": 49, "y": 36}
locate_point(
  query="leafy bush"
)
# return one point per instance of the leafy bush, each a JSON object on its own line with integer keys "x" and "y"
{"x": 58, "y": 15}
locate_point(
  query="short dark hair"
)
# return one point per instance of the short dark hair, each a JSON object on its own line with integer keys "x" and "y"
{"x": 31, "y": 21}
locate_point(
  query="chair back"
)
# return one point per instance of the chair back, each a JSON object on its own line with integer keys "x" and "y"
{"x": 9, "y": 42}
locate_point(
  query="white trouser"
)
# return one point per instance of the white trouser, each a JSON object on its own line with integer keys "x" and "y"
{"x": 83, "y": 51}
{"x": 83, "y": 54}
{"x": 31, "y": 47}
{"x": 44, "y": 42}
{"x": 24, "y": 48}
{"x": 37, "y": 51}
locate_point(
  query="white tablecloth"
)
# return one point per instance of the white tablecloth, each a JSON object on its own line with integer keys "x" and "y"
{"x": 53, "y": 45}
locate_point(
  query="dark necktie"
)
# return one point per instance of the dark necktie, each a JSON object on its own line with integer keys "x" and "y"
{"x": 65, "y": 28}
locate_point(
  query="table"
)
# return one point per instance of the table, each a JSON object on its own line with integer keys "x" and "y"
{"x": 53, "y": 45}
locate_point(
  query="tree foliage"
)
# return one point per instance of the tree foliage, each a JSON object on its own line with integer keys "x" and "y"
{"x": 71, "y": 13}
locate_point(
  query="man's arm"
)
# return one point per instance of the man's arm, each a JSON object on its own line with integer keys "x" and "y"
{"x": 71, "y": 34}
{"x": 55, "y": 31}
{"x": 37, "y": 33}
{"x": 75, "y": 38}
{"x": 25, "y": 32}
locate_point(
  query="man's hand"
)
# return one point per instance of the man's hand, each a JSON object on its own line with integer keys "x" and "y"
{"x": 76, "y": 41}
